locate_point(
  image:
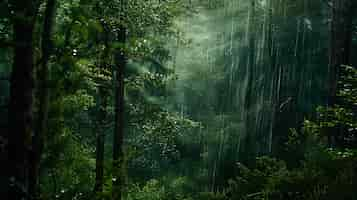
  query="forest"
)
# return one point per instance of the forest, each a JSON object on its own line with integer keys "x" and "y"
{"x": 178, "y": 99}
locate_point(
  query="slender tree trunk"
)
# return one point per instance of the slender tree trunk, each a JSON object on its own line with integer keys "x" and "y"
{"x": 102, "y": 93}
{"x": 249, "y": 146}
{"x": 273, "y": 74}
{"x": 118, "y": 160}
{"x": 43, "y": 99}
{"x": 21, "y": 100}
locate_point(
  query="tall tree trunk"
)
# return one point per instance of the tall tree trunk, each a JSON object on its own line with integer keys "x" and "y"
{"x": 118, "y": 160}
{"x": 273, "y": 73}
{"x": 340, "y": 42}
{"x": 43, "y": 99}
{"x": 21, "y": 99}
{"x": 102, "y": 95}
{"x": 339, "y": 51}
{"x": 249, "y": 147}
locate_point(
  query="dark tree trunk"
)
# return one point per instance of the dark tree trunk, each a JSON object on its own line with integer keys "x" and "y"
{"x": 339, "y": 52}
{"x": 21, "y": 100}
{"x": 340, "y": 42}
{"x": 43, "y": 99}
{"x": 102, "y": 95}
{"x": 118, "y": 160}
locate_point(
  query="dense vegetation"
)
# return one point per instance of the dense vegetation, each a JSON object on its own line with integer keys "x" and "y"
{"x": 178, "y": 99}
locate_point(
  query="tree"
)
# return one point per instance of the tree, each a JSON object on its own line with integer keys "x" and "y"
{"x": 43, "y": 98}
{"x": 21, "y": 98}
{"x": 250, "y": 150}
{"x": 103, "y": 96}
{"x": 339, "y": 51}
{"x": 120, "y": 62}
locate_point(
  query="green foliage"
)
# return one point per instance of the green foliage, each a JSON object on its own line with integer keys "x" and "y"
{"x": 154, "y": 137}
{"x": 175, "y": 189}
{"x": 84, "y": 42}
{"x": 250, "y": 184}
{"x": 323, "y": 173}
{"x": 185, "y": 119}
{"x": 152, "y": 190}
{"x": 66, "y": 165}
{"x": 341, "y": 117}
{"x": 211, "y": 196}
